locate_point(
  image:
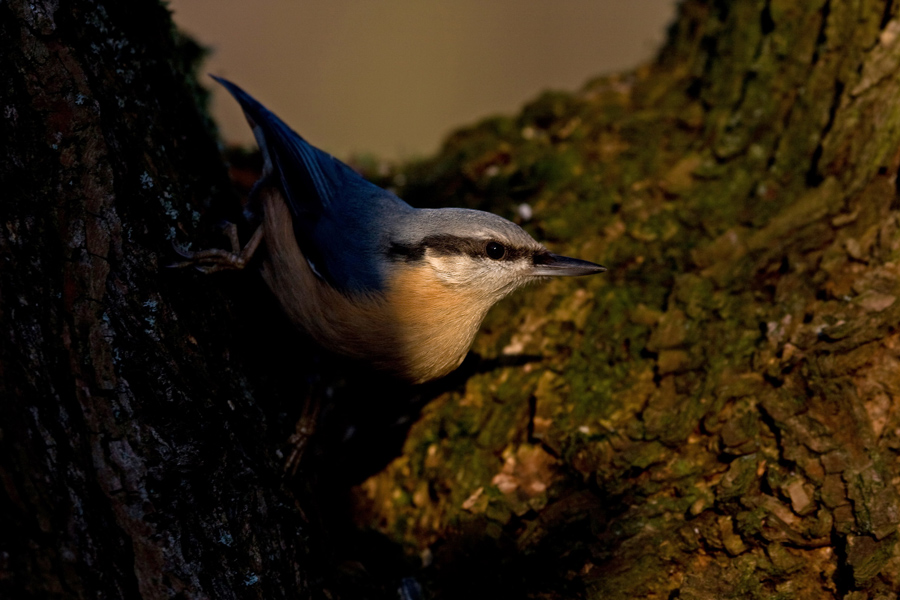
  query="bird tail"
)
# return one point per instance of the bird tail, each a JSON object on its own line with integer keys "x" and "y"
{"x": 308, "y": 175}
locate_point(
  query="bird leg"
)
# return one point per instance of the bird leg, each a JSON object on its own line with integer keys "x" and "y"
{"x": 303, "y": 433}
{"x": 217, "y": 259}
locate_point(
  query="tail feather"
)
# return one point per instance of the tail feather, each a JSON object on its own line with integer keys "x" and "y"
{"x": 310, "y": 188}
{"x": 331, "y": 205}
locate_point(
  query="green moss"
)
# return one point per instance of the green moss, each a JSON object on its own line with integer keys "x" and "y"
{"x": 667, "y": 384}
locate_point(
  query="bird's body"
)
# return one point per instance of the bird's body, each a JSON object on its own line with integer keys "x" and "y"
{"x": 415, "y": 327}
{"x": 370, "y": 277}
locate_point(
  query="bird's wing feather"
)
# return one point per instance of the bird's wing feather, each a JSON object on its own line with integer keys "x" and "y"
{"x": 301, "y": 167}
{"x": 338, "y": 216}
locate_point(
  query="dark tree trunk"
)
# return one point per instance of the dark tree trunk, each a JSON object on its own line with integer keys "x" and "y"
{"x": 716, "y": 417}
{"x": 136, "y": 461}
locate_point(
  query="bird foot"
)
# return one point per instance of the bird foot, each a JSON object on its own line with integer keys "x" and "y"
{"x": 218, "y": 259}
{"x": 303, "y": 433}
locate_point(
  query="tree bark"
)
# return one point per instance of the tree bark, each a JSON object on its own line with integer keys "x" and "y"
{"x": 136, "y": 459}
{"x": 718, "y": 416}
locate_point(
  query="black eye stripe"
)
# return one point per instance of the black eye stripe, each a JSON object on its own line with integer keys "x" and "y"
{"x": 448, "y": 245}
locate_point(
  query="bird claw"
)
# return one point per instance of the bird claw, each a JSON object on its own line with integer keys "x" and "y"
{"x": 303, "y": 433}
{"x": 218, "y": 259}
{"x": 209, "y": 261}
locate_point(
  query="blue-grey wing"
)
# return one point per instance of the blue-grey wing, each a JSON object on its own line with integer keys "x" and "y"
{"x": 337, "y": 213}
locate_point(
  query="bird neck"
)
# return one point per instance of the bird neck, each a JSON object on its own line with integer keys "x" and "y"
{"x": 436, "y": 322}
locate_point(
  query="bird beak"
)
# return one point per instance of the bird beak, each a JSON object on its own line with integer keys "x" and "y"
{"x": 554, "y": 265}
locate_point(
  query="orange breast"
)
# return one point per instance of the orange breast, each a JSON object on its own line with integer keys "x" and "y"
{"x": 436, "y": 323}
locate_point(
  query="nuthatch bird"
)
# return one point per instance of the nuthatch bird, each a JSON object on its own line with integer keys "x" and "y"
{"x": 367, "y": 275}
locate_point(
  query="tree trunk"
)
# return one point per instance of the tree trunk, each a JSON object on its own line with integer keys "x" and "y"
{"x": 136, "y": 458}
{"x": 718, "y": 416}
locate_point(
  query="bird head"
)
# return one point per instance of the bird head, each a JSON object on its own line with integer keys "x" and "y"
{"x": 479, "y": 254}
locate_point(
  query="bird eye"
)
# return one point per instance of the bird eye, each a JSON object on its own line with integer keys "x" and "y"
{"x": 495, "y": 250}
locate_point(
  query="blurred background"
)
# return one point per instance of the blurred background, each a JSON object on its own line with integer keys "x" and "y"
{"x": 393, "y": 77}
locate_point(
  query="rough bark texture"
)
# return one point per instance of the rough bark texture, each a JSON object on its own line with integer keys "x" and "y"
{"x": 136, "y": 461}
{"x": 718, "y": 416}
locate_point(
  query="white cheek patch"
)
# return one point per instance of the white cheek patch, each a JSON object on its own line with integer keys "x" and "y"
{"x": 479, "y": 277}
{"x": 455, "y": 269}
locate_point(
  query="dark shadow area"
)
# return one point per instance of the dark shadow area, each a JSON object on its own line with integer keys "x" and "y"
{"x": 363, "y": 423}
{"x": 531, "y": 556}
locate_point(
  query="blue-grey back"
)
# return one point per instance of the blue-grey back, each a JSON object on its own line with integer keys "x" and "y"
{"x": 340, "y": 219}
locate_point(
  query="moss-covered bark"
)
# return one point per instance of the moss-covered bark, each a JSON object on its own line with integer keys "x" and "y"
{"x": 719, "y": 415}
